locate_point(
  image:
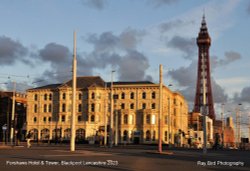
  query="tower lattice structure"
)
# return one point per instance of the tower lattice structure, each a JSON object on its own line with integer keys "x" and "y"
{"x": 203, "y": 73}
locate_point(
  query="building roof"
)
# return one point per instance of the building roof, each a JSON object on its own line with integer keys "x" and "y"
{"x": 130, "y": 83}
{"x": 82, "y": 82}
{"x": 85, "y": 82}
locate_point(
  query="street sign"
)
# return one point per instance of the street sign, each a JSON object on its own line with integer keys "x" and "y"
{"x": 4, "y": 127}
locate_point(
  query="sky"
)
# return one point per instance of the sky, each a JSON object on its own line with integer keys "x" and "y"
{"x": 131, "y": 37}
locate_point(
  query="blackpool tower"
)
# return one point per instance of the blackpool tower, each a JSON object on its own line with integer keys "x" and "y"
{"x": 203, "y": 85}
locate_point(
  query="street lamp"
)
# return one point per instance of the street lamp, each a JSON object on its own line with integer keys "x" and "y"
{"x": 111, "y": 112}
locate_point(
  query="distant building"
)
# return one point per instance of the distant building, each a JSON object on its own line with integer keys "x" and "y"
{"x": 19, "y": 115}
{"x": 135, "y": 103}
{"x": 228, "y": 132}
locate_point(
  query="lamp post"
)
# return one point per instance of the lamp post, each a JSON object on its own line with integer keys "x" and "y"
{"x": 13, "y": 114}
{"x": 160, "y": 112}
{"x": 111, "y": 112}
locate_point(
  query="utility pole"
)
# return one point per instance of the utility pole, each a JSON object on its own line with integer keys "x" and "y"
{"x": 13, "y": 114}
{"x": 105, "y": 116}
{"x": 160, "y": 111}
{"x": 73, "y": 115}
{"x": 111, "y": 112}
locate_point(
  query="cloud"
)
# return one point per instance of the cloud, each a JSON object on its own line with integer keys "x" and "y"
{"x": 11, "y": 51}
{"x": 170, "y": 25}
{"x": 119, "y": 51}
{"x": 159, "y": 3}
{"x": 186, "y": 77}
{"x": 248, "y": 8}
{"x": 185, "y": 45}
{"x": 229, "y": 58}
{"x": 96, "y": 4}
{"x": 243, "y": 96}
{"x": 133, "y": 66}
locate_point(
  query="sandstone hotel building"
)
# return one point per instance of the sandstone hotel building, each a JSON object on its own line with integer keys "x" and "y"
{"x": 136, "y": 105}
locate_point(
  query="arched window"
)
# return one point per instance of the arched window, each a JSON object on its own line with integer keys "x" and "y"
{"x": 125, "y": 135}
{"x": 92, "y": 107}
{"x": 50, "y": 96}
{"x": 144, "y": 106}
{"x": 44, "y": 119}
{"x": 50, "y": 108}
{"x": 92, "y": 118}
{"x": 93, "y": 96}
{"x": 63, "y": 107}
{"x": 79, "y": 107}
{"x": 34, "y": 119}
{"x": 123, "y": 96}
{"x": 45, "y": 96}
{"x": 144, "y": 95}
{"x": 132, "y": 95}
{"x": 153, "y": 95}
{"x": 153, "y": 105}
{"x": 44, "y": 108}
{"x": 154, "y": 134}
{"x": 79, "y": 118}
{"x": 35, "y": 108}
{"x": 44, "y": 134}
{"x": 67, "y": 134}
{"x": 148, "y": 135}
{"x": 80, "y": 96}
{"x": 64, "y": 96}
{"x": 148, "y": 119}
{"x": 125, "y": 119}
{"x": 35, "y": 97}
{"x": 132, "y": 106}
{"x": 80, "y": 134}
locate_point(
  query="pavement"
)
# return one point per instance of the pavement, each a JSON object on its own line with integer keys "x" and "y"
{"x": 53, "y": 157}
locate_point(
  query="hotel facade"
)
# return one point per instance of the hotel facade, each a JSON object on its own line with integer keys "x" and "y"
{"x": 135, "y": 111}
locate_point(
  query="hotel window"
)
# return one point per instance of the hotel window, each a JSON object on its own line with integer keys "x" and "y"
{"x": 148, "y": 118}
{"x": 44, "y": 119}
{"x": 153, "y": 121}
{"x": 166, "y": 135}
{"x": 79, "y": 118}
{"x": 148, "y": 135}
{"x": 153, "y": 95}
{"x": 64, "y": 96}
{"x": 93, "y": 96}
{"x": 132, "y": 106}
{"x": 123, "y": 106}
{"x": 92, "y": 118}
{"x": 63, "y": 118}
{"x": 63, "y": 107}
{"x": 132, "y": 95}
{"x": 144, "y": 95}
{"x": 45, "y": 96}
{"x": 80, "y": 96}
{"x": 125, "y": 119}
{"x": 34, "y": 119}
{"x": 153, "y": 105}
{"x": 123, "y": 96}
{"x": 79, "y": 108}
{"x": 45, "y": 108}
{"x": 50, "y": 96}
{"x": 49, "y": 119}
{"x": 143, "y": 105}
{"x": 35, "y": 97}
{"x": 50, "y": 108}
{"x": 92, "y": 107}
{"x": 35, "y": 108}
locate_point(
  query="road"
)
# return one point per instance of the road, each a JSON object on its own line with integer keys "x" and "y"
{"x": 122, "y": 158}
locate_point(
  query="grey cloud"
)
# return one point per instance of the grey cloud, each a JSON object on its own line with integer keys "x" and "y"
{"x": 244, "y": 95}
{"x": 133, "y": 67}
{"x": 11, "y": 51}
{"x": 165, "y": 27}
{"x": 230, "y": 57}
{"x": 185, "y": 45}
{"x": 96, "y": 4}
{"x": 186, "y": 78}
{"x": 54, "y": 53}
{"x": 159, "y": 3}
